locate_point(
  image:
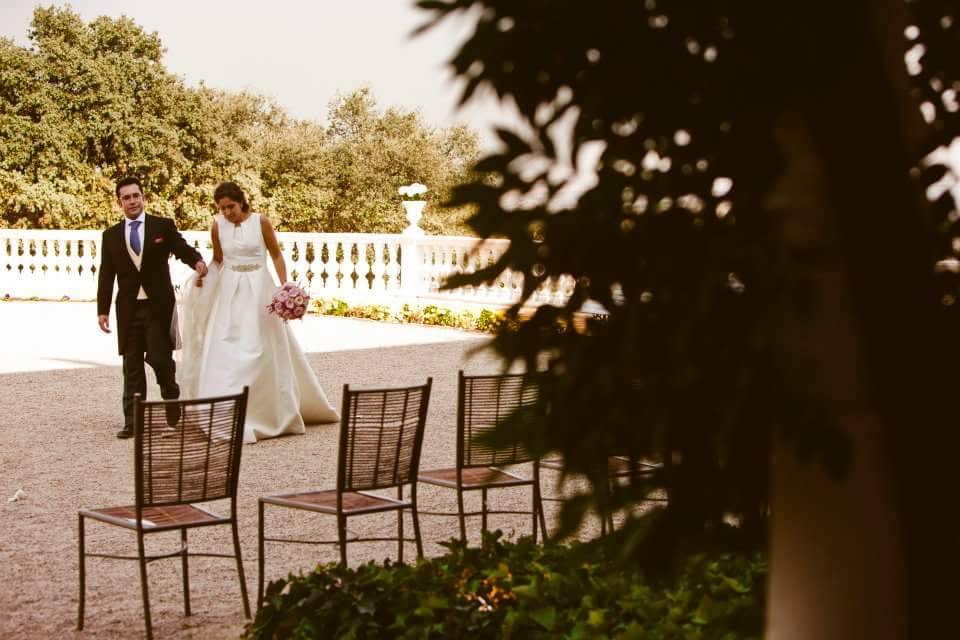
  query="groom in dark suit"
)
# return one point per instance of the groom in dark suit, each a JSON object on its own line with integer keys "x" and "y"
{"x": 136, "y": 253}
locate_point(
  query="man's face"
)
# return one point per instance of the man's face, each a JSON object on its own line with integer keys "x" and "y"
{"x": 130, "y": 200}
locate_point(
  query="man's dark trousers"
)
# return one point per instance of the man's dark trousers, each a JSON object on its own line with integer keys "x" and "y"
{"x": 148, "y": 338}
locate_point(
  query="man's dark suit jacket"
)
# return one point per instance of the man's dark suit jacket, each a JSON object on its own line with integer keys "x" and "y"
{"x": 160, "y": 239}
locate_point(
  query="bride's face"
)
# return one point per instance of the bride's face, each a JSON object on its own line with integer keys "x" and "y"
{"x": 231, "y": 210}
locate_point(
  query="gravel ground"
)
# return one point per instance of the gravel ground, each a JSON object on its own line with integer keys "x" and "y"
{"x": 57, "y": 443}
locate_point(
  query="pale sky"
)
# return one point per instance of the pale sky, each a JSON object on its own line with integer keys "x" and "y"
{"x": 299, "y": 52}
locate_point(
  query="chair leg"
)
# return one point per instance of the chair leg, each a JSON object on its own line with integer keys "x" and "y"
{"x": 83, "y": 575}
{"x": 543, "y": 518}
{"x": 261, "y": 561}
{"x": 533, "y": 512}
{"x": 601, "y": 510}
{"x": 610, "y": 514}
{"x": 400, "y": 535}
{"x": 143, "y": 585}
{"x": 240, "y": 573}
{"x": 483, "y": 510}
{"x": 400, "y": 526}
{"x": 416, "y": 528}
{"x": 462, "y": 513}
{"x": 186, "y": 572}
{"x": 342, "y": 537}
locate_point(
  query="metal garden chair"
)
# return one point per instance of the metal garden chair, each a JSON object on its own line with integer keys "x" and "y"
{"x": 483, "y": 402}
{"x": 195, "y": 461}
{"x": 381, "y": 435}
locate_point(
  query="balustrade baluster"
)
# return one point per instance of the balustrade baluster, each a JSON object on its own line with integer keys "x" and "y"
{"x": 348, "y": 266}
{"x": 309, "y": 258}
{"x": 39, "y": 256}
{"x": 445, "y": 266}
{"x": 439, "y": 258}
{"x": 91, "y": 258}
{"x": 69, "y": 266}
{"x": 300, "y": 263}
{"x": 51, "y": 270}
{"x": 427, "y": 268}
{"x": 377, "y": 268}
{"x": 6, "y": 279}
{"x": 329, "y": 280}
{"x": 343, "y": 255}
{"x": 362, "y": 267}
{"x": 513, "y": 286}
{"x": 73, "y": 264}
{"x": 466, "y": 266}
{"x": 393, "y": 267}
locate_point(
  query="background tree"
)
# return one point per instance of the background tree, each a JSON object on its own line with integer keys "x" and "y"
{"x": 90, "y": 102}
{"x": 371, "y": 153}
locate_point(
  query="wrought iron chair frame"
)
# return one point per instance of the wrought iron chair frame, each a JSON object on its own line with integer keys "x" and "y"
{"x": 617, "y": 467}
{"x": 137, "y": 524}
{"x": 512, "y": 481}
{"x": 344, "y": 487}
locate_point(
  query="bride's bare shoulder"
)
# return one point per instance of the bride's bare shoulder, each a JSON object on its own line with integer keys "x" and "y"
{"x": 265, "y": 222}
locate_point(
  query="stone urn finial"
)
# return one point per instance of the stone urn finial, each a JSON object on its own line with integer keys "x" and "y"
{"x": 413, "y": 202}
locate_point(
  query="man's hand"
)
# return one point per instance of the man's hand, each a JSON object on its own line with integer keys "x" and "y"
{"x": 104, "y": 322}
{"x": 201, "y": 269}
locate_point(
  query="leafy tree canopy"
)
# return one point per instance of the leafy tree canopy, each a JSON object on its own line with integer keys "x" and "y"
{"x": 88, "y": 103}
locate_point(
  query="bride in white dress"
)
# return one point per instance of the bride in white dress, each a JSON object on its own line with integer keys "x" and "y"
{"x": 229, "y": 338}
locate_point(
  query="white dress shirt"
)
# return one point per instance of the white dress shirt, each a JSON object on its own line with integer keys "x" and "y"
{"x": 142, "y": 218}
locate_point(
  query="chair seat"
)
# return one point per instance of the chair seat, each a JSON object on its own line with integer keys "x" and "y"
{"x": 473, "y": 478}
{"x": 156, "y": 518}
{"x": 354, "y": 502}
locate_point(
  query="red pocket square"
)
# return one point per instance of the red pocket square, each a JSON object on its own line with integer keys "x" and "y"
{"x": 158, "y": 240}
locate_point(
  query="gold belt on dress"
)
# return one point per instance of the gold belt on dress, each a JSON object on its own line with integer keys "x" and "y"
{"x": 244, "y": 267}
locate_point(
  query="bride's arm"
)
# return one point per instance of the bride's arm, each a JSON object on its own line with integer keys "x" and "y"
{"x": 270, "y": 239}
{"x": 215, "y": 239}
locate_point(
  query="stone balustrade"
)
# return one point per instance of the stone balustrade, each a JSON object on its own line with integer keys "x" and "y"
{"x": 357, "y": 267}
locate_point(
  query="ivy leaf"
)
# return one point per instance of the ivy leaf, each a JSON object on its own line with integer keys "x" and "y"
{"x": 736, "y": 585}
{"x": 597, "y": 617}
{"x": 546, "y": 617}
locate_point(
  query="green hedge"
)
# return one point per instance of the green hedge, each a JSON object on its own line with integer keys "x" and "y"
{"x": 486, "y": 321}
{"x": 517, "y": 590}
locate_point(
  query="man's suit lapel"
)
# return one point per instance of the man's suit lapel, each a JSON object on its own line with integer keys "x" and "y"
{"x": 120, "y": 244}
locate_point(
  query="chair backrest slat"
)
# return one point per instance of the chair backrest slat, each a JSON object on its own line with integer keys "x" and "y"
{"x": 486, "y": 401}
{"x": 381, "y": 435}
{"x": 198, "y": 459}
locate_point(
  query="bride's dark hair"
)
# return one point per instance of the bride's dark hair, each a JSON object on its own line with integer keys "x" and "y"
{"x": 234, "y": 192}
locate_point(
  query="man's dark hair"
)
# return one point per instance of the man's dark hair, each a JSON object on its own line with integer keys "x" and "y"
{"x": 234, "y": 192}
{"x": 123, "y": 182}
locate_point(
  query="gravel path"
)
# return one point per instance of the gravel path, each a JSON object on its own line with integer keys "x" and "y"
{"x": 57, "y": 443}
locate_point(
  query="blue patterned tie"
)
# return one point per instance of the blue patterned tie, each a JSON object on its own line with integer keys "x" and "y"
{"x": 134, "y": 236}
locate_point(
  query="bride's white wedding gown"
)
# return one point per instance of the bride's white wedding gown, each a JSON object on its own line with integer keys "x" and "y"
{"x": 230, "y": 340}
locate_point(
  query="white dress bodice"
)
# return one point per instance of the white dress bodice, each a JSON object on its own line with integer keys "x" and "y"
{"x": 242, "y": 244}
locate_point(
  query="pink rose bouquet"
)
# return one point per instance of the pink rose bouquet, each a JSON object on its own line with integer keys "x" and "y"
{"x": 290, "y": 302}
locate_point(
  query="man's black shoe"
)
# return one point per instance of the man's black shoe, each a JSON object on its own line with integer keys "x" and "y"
{"x": 173, "y": 413}
{"x": 126, "y": 432}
